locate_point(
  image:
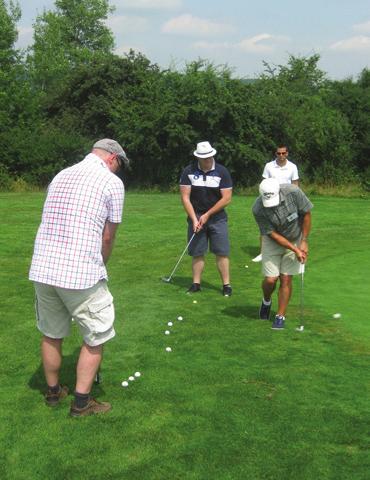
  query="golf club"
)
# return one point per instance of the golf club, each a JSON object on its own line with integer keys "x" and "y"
{"x": 301, "y": 306}
{"x": 168, "y": 279}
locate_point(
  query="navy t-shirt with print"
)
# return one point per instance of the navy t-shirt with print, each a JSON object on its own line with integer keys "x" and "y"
{"x": 205, "y": 187}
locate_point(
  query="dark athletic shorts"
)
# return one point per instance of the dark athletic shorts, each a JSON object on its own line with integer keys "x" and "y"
{"x": 214, "y": 232}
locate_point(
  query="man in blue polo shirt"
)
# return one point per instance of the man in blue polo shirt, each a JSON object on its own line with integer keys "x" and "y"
{"x": 206, "y": 189}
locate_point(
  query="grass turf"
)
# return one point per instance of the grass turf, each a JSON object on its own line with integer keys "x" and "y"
{"x": 234, "y": 399}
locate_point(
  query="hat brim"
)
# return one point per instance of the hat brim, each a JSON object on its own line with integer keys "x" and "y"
{"x": 271, "y": 202}
{"x": 205, "y": 155}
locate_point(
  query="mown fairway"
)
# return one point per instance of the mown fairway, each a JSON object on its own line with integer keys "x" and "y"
{"x": 234, "y": 399}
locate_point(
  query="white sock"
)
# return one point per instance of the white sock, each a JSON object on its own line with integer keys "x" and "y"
{"x": 265, "y": 302}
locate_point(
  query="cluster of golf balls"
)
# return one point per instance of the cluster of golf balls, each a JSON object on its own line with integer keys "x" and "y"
{"x": 131, "y": 378}
{"x": 168, "y": 332}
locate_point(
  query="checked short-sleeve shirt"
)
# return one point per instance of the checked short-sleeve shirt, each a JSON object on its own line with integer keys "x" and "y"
{"x": 68, "y": 246}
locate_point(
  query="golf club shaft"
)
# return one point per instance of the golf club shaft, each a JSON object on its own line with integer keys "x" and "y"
{"x": 179, "y": 260}
{"x": 302, "y": 298}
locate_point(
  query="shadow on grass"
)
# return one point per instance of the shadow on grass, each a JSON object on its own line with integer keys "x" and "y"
{"x": 185, "y": 282}
{"x": 67, "y": 375}
{"x": 251, "y": 251}
{"x": 246, "y": 312}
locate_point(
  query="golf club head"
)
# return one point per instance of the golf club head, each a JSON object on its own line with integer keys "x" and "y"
{"x": 166, "y": 279}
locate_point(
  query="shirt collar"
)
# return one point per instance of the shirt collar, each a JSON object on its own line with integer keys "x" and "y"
{"x": 280, "y": 166}
{"x": 91, "y": 157}
{"x": 212, "y": 168}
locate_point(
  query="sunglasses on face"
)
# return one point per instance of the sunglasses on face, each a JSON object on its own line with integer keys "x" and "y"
{"x": 281, "y": 153}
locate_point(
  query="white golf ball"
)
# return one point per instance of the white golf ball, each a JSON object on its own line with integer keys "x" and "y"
{"x": 131, "y": 378}
{"x": 168, "y": 349}
{"x": 137, "y": 374}
{"x": 179, "y": 318}
{"x": 246, "y": 266}
{"x": 194, "y": 301}
{"x": 167, "y": 332}
{"x": 337, "y": 315}
{"x": 170, "y": 324}
{"x": 124, "y": 384}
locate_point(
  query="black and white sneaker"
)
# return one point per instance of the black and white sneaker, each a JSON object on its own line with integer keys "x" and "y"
{"x": 194, "y": 287}
{"x": 278, "y": 323}
{"x": 265, "y": 311}
{"x": 227, "y": 290}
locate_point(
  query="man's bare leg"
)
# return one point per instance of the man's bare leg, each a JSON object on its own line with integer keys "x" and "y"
{"x": 198, "y": 267}
{"x": 51, "y": 352}
{"x": 87, "y": 367}
{"x": 223, "y": 264}
{"x": 285, "y": 292}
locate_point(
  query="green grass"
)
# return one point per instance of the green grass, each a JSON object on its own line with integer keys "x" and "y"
{"x": 234, "y": 399}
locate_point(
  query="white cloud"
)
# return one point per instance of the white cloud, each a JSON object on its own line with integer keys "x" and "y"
{"x": 211, "y": 45}
{"x": 148, "y": 4}
{"x": 122, "y": 24}
{"x": 262, "y": 43}
{"x": 193, "y": 26}
{"x": 255, "y": 45}
{"x": 360, "y": 43}
{"x": 362, "y": 27}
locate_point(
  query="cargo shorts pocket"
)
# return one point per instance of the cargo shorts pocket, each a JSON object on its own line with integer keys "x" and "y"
{"x": 101, "y": 314}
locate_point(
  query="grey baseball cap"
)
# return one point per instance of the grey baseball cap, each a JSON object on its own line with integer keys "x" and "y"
{"x": 112, "y": 146}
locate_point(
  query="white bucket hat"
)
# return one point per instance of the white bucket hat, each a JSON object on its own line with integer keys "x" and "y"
{"x": 269, "y": 191}
{"x": 204, "y": 150}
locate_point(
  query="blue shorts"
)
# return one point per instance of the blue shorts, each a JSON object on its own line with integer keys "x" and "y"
{"x": 214, "y": 232}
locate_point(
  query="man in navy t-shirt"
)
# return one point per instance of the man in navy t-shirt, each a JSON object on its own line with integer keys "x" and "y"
{"x": 206, "y": 189}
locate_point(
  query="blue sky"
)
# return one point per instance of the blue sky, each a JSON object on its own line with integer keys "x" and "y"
{"x": 239, "y": 33}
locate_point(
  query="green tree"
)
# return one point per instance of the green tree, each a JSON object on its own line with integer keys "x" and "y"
{"x": 73, "y": 34}
{"x": 290, "y": 107}
{"x": 352, "y": 99}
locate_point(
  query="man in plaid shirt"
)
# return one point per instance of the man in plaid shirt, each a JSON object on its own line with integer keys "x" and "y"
{"x": 80, "y": 217}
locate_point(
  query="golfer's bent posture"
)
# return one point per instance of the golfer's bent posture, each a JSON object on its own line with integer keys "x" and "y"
{"x": 206, "y": 189}
{"x": 74, "y": 241}
{"x": 283, "y": 215}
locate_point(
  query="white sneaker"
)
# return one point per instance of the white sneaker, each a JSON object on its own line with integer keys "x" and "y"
{"x": 258, "y": 258}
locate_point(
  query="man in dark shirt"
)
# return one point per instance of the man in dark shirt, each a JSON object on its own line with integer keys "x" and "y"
{"x": 283, "y": 215}
{"x": 206, "y": 189}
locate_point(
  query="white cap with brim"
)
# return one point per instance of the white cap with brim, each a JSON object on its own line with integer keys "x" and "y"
{"x": 269, "y": 191}
{"x": 204, "y": 150}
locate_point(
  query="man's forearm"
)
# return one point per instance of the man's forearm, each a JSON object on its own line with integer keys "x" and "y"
{"x": 222, "y": 203}
{"x": 108, "y": 237}
{"x": 284, "y": 242}
{"x": 189, "y": 209}
{"x": 306, "y": 226}
{"x": 107, "y": 248}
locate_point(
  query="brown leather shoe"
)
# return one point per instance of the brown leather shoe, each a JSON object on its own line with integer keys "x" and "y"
{"x": 52, "y": 399}
{"x": 93, "y": 407}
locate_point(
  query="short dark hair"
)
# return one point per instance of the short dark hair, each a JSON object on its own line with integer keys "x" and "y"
{"x": 282, "y": 145}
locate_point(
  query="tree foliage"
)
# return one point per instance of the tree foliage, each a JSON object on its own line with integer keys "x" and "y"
{"x": 72, "y": 89}
{"x": 72, "y": 34}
